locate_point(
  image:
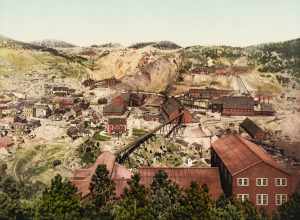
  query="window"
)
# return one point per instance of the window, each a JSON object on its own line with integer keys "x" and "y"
{"x": 280, "y": 199}
{"x": 261, "y": 181}
{"x": 243, "y": 197}
{"x": 243, "y": 181}
{"x": 280, "y": 181}
{"x": 261, "y": 199}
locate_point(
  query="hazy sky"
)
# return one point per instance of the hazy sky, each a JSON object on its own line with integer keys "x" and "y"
{"x": 186, "y": 22}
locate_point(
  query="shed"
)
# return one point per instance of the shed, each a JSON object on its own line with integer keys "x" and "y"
{"x": 253, "y": 129}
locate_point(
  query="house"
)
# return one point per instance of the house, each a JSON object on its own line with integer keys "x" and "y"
{"x": 116, "y": 125}
{"x": 234, "y": 105}
{"x": 28, "y": 110}
{"x": 120, "y": 175}
{"x": 247, "y": 171}
{"x": 171, "y": 108}
{"x": 252, "y": 129}
{"x": 41, "y": 111}
{"x": 114, "y": 109}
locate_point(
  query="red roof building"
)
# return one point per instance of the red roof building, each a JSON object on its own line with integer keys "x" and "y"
{"x": 171, "y": 108}
{"x": 234, "y": 105}
{"x": 183, "y": 177}
{"x": 120, "y": 175}
{"x": 248, "y": 172}
{"x": 116, "y": 125}
{"x": 82, "y": 177}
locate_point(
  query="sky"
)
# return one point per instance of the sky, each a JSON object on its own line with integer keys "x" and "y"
{"x": 186, "y": 22}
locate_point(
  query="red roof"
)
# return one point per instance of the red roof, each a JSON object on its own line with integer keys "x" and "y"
{"x": 184, "y": 176}
{"x": 6, "y": 142}
{"x": 239, "y": 154}
{"x": 82, "y": 177}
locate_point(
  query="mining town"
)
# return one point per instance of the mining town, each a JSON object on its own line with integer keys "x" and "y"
{"x": 231, "y": 128}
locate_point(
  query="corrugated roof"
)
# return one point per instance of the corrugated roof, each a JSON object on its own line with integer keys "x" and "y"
{"x": 239, "y": 154}
{"x": 184, "y": 176}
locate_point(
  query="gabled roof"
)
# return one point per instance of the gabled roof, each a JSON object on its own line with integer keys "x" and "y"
{"x": 171, "y": 105}
{"x": 82, "y": 177}
{"x": 239, "y": 154}
{"x": 184, "y": 176}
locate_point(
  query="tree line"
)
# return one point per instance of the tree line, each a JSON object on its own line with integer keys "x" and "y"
{"x": 163, "y": 200}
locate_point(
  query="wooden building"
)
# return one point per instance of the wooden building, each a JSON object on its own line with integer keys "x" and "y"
{"x": 208, "y": 93}
{"x": 114, "y": 109}
{"x": 41, "y": 111}
{"x": 253, "y": 129}
{"x": 247, "y": 171}
{"x": 171, "y": 108}
{"x": 116, "y": 125}
{"x": 120, "y": 175}
{"x": 234, "y": 105}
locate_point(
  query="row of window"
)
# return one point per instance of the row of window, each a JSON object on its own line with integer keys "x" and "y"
{"x": 263, "y": 199}
{"x": 262, "y": 181}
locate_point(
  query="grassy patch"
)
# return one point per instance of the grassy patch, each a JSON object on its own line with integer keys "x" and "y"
{"x": 100, "y": 137}
{"x": 138, "y": 132}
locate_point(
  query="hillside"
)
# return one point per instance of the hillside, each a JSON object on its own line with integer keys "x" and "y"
{"x": 155, "y": 66}
{"x": 21, "y": 58}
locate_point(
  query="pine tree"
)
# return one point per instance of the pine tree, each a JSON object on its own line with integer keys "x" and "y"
{"x": 133, "y": 202}
{"x": 59, "y": 201}
{"x": 102, "y": 187}
{"x": 197, "y": 203}
{"x": 291, "y": 209}
{"x": 165, "y": 197}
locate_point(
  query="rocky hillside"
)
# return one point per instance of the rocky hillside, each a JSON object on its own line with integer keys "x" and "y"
{"x": 155, "y": 66}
